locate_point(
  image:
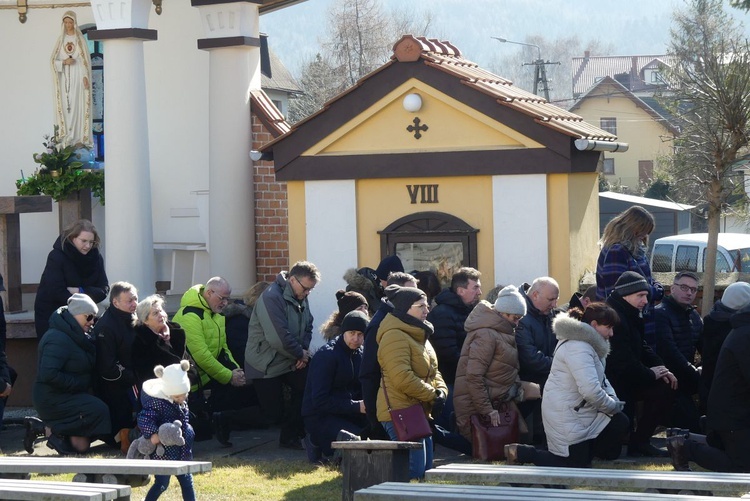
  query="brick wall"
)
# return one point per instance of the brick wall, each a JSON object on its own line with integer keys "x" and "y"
{"x": 271, "y": 216}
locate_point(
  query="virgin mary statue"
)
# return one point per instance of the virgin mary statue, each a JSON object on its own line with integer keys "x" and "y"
{"x": 71, "y": 69}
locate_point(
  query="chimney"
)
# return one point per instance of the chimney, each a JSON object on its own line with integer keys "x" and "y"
{"x": 586, "y": 54}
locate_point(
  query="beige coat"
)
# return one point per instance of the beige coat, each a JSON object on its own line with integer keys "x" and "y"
{"x": 488, "y": 367}
{"x": 409, "y": 366}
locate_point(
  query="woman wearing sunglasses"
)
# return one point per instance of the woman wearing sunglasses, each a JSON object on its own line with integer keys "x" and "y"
{"x": 73, "y": 418}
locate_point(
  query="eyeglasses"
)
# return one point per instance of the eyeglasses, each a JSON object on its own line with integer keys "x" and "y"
{"x": 83, "y": 241}
{"x": 421, "y": 306}
{"x": 687, "y": 288}
{"x": 304, "y": 289}
{"x": 90, "y": 317}
{"x": 222, "y": 299}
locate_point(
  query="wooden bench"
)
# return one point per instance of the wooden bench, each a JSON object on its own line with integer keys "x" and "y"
{"x": 35, "y": 490}
{"x": 133, "y": 472}
{"x": 369, "y": 462}
{"x": 395, "y": 491}
{"x": 650, "y": 481}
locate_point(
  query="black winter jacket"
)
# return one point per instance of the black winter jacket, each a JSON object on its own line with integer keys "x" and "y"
{"x": 448, "y": 319}
{"x": 716, "y": 328}
{"x": 369, "y": 372}
{"x": 678, "y": 330}
{"x": 114, "y": 336}
{"x": 630, "y": 359}
{"x": 729, "y": 400}
{"x": 149, "y": 350}
{"x": 333, "y": 380}
{"x": 535, "y": 341}
{"x": 66, "y": 267}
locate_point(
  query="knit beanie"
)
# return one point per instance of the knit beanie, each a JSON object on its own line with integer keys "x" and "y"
{"x": 510, "y": 301}
{"x": 403, "y": 297}
{"x": 736, "y": 296}
{"x": 631, "y": 282}
{"x": 349, "y": 301}
{"x": 170, "y": 381}
{"x": 81, "y": 304}
{"x": 388, "y": 265}
{"x": 355, "y": 321}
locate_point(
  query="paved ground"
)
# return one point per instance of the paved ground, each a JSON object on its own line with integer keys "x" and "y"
{"x": 253, "y": 445}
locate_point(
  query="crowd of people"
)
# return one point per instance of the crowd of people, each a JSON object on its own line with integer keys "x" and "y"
{"x": 605, "y": 370}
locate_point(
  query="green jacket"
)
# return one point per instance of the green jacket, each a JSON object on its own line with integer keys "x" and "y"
{"x": 280, "y": 328}
{"x": 205, "y": 336}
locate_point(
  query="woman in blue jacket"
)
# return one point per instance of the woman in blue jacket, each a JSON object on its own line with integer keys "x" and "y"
{"x": 333, "y": 396}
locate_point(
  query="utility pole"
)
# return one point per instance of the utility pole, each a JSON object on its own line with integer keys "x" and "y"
{"x": 540, "y": 71}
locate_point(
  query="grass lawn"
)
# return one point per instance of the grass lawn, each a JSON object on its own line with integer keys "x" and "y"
{"x": 240, "y": 479}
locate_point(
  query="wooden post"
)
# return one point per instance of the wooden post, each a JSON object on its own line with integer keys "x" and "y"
{"x": 76, "y": 206}
{"x": 10, "y": 242}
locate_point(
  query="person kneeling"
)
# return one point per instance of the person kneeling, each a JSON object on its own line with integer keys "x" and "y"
{"x": 582, "y": 416}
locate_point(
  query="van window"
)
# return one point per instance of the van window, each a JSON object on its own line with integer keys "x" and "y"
{"x": 686, "y": 258}
{"x": 721, "y": 262}
{"x": 741, "y": 258}
{"x": 662, "y": 259}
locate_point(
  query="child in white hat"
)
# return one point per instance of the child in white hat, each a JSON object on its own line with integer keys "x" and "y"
{"x": 164, "y": 400}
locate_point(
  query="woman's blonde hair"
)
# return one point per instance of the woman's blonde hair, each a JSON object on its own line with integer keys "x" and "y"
{"x": 77, "y": 228}
{"x": 251, "y": 295}
{"x": 630, "y": 228}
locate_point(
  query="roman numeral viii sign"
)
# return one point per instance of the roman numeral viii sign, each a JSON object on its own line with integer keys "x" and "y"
{"x": 427, "y": 193}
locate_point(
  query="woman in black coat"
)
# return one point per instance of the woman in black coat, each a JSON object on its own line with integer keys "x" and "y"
{"x": 157, "y": 341}
{"x": 74, "y": 266}
{"x": 62, "y": 391}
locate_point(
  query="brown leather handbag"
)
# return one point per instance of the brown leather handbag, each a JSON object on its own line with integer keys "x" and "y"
{"x": 410, "y": 423}
{"x": 487, "y": 441}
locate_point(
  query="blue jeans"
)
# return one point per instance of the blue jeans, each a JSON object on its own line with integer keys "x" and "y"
{"x": 420, "y": 460}
{"x": 161, "y": 482}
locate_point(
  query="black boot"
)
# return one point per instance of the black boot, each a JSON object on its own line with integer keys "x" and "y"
{"x": 221, "y": 429}
{"x": 34, "y": 429}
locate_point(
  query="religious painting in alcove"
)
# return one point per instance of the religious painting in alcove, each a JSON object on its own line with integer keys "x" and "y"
{"x": 442, "y": 258}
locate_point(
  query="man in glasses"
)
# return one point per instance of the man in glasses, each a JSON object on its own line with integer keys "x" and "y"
{"x": 231, "y": 399}
{"x": 277, "y": 352}
{"x": 678, "y": 328}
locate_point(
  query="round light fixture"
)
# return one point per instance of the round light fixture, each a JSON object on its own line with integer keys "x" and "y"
{"x": 412, "y": 103}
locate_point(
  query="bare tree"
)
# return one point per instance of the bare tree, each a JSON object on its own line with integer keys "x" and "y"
{"x": 360, "y": 39}
{"x": 320, "y": 83}
{"x": 711, "y": 81}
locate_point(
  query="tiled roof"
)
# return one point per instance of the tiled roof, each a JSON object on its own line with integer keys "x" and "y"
{"x": 588, "y": 70}
{"x": 445, "y": 57}
{"x": 268, "y": 113}
{"x": 280, "y": 78}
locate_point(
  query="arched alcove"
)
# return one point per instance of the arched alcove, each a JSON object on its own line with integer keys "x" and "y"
{"x": 433, "y": 241}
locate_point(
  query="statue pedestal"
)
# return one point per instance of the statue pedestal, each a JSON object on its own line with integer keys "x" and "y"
{"x": 76, "y": 206}
{"x": 10, "y": 241}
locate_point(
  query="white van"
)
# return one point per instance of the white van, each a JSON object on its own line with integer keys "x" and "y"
{"x": 688, "y": 253}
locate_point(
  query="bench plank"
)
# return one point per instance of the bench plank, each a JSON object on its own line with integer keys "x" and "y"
{"x": 54, "y": 465}
{"x": 394, "y": 491}
{"x": 591, "y": 477}
{"x": 39, "y": 490}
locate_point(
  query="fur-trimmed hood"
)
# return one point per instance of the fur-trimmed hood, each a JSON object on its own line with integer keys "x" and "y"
{"x": 568, "y": 328}
{"x": 357, "y": 281}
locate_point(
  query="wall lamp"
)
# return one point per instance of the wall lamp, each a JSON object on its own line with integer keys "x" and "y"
{"x": 412, "y": 102}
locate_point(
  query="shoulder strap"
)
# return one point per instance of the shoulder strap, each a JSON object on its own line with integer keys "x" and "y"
{"x": 194, "y": 310}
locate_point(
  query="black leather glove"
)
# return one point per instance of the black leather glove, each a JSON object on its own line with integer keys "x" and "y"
{"x": 439, "y": 403}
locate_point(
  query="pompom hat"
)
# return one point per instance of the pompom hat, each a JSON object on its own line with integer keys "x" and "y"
{"x": 170, "y": 381}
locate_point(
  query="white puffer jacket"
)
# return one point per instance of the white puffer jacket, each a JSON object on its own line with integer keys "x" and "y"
{"x": 578, "y": 399}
